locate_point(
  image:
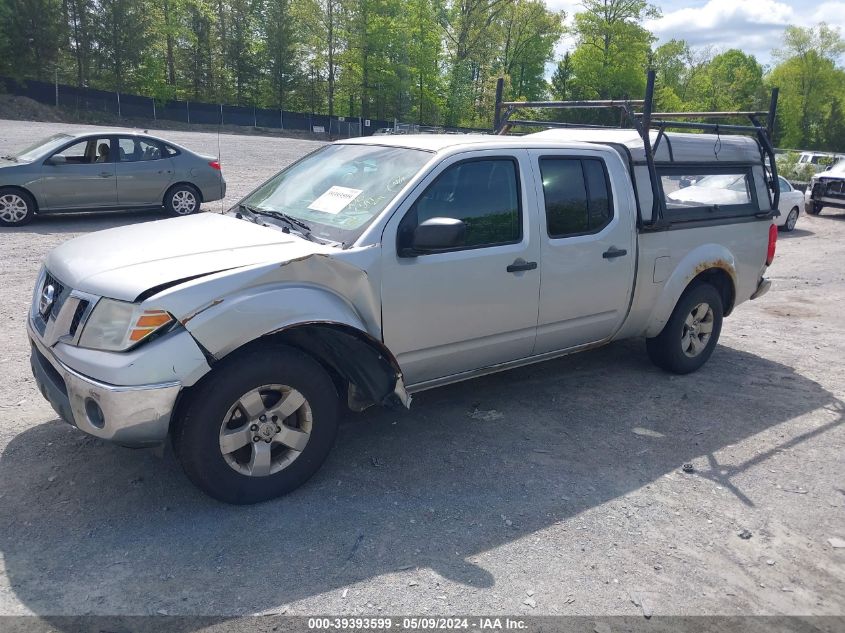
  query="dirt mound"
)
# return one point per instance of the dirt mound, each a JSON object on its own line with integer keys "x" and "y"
{"x": 26, "y": 109}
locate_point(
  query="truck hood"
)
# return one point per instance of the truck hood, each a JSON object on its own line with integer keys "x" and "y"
{"x": 122, "y": 263}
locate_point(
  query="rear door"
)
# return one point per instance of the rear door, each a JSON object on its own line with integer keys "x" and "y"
{"x": 80, "y": 176}
{"x": 587, "y": 248}
{"x": 451, "y": 312}
{"x": 144, "y": 172}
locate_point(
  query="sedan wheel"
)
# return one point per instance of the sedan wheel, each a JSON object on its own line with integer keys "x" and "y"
{"x": 16, "y": 208}
{"x": 183, "y": 200}
{"x": 791, "y": 220}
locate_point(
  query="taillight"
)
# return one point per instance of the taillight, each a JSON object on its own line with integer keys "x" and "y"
{"x": 214, "y": 165}
{"x": 773, "y": 240}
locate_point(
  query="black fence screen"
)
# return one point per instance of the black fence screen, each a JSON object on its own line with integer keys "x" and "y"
{"x": 130, "y": 106}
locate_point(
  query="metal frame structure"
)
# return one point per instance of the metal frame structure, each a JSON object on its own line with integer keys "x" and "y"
{"x": 644, "y": 121}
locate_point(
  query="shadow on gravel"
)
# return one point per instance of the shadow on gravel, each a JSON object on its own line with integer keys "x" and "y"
{"x": 830, "y": 213}
{"x": 54, "y": 223}
{"x": 783, "y": 235}
{"x": 92, "y": 528}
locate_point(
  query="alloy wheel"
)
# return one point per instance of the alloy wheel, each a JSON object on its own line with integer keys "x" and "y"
{"x": 266, "y": 430}
{"x": 698, "y": 326}
{"x": 184, "y": 202}
{"x": 13, "y": 208}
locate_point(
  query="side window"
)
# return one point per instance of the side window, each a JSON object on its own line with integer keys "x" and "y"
{"x": 784, "y": 185}
{"x": 484, "y": 194}
{"x": 168, "y": 151}
{"x": 126, "y": 149}
{"x": 84, "y": 152}
{"x": 700, "y": 193}
{"x": 577, "y": 196}
{"x": 137, "y": 149}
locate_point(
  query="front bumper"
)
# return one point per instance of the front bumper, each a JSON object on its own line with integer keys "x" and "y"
{"x": 135, "y": 416}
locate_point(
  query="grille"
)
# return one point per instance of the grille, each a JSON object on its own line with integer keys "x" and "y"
{"x": 58, "y": 290}
{"x": 81, "y": 307}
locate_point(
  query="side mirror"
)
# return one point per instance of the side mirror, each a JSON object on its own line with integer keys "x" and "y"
{"x": 55, "y": 160}
{"x": 438, "y": 234}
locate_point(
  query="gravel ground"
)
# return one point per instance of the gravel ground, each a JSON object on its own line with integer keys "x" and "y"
{"x": 567, "y": 497}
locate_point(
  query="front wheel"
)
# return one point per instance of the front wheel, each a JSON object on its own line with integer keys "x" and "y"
{"x": 690, "y": 335}
{"x": 16, "y": 207}
{"x": 259, "y": 426}
{"x": 815, "y": 208}
{"x": 182, "y": 200}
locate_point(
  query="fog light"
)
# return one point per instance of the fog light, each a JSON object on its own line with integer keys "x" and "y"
{"x": 94, "y": 413}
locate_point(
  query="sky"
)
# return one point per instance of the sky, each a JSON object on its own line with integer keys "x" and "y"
{"x": 754, "y": 26}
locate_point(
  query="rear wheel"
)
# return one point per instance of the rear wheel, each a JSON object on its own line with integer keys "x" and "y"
{"x": 182, "y": 200}
{"x": 259, "y": 427}
{"x": 17, "y": 207}
{"x": 791, "y": 220}
{"x": 690, "y": 335}
{"x": 815, "y": 208}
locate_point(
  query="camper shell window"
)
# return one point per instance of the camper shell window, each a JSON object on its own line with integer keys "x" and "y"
{"x": 702, "y": 191}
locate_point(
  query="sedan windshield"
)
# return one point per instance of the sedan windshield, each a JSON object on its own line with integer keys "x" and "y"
{"x": 42, "y": 147}
{"x": 339, "y": 189}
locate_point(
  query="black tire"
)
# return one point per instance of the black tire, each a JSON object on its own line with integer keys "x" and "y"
{"x": 197, "y": 434}
{"x": 667, "y": 349}
{"x": 785, "y": 227}
{"x": 17, "y": 207}
{"x": 182, "y": 199}
{"x": 814, "y": 209}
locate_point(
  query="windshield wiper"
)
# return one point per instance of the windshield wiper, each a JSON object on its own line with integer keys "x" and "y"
{"x": 301, "y": 227}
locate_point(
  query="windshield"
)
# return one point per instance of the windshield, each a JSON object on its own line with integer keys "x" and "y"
{"x": 44, "y": 146}
{"x": 339, "y": 189}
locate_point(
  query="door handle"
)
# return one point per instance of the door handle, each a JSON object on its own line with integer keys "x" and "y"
{"x": 520, "y": 265}
{"x": 105, "y": 174}
{"x": 614, "y": 252}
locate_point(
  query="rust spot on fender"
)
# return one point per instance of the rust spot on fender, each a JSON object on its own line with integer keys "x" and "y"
{"x": 710, "y": 264}
{"x": 201, "y": 310}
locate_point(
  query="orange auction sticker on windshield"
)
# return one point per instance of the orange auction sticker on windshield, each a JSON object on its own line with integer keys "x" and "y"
{"x": 335, "y": 199}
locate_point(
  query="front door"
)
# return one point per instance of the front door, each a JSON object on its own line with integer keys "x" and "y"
{"x": 588, "y": 248}
{"x": 476, "y": 305}
{"x": 143, "y": 172}
{"x": 80, "y": 176}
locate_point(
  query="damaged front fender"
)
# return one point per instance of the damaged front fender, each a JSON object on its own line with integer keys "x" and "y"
{"x": 318, "y": 303}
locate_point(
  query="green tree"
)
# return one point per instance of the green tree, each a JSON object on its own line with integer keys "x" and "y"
{"x": 469, "y": 27}
{"x": 613, "y": 47}
{"x": 79, "y": 17}
{"x": 34, "y": 32}
{"x": 807, "y": 76}
{"x": 280, "y": 44}
{"x": 530, "y": 32}
{"x": 732, "y": 80}
{"x": 123, "y": 28}
{"x": 562, "y": 78}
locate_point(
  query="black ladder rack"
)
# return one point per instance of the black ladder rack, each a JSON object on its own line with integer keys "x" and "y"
{"x": 761, "y": 125}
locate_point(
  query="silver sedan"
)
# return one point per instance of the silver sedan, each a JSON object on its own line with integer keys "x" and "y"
{"x": 105, "y": 171}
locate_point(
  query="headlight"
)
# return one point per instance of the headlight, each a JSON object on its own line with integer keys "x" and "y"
{"x": 117, "y": 325}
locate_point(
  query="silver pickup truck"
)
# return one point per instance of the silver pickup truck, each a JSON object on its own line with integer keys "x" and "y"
{"x": 376, "y": 268}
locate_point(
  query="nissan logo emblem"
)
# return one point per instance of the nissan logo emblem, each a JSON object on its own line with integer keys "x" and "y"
{"x": 48, "y": 295}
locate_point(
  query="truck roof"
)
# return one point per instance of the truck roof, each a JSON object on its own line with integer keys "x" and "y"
{"x": 680, "y": 147}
